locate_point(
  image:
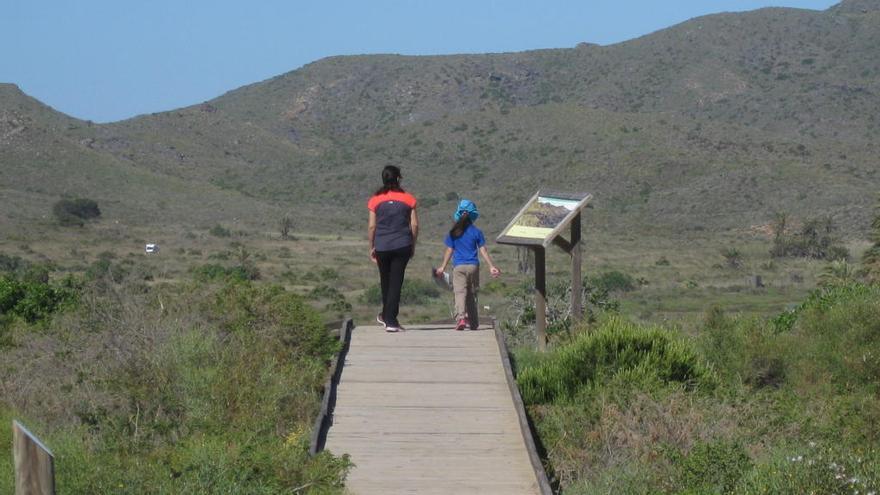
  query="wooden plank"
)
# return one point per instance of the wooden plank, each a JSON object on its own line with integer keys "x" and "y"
{"x": 34, "y": 463}
{"x": 429, "y": 411}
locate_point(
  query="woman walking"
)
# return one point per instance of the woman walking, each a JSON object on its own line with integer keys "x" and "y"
{"x": 463, "y": 242}
{"x": 392, "y": 231}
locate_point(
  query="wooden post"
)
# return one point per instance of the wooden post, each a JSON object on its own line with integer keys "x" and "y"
{"x": 540, "y": 298}
{"x": 577, "y": 308}
{"x": 34, "y": 463}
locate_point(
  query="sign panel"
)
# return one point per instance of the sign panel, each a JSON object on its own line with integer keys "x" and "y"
{"x": 543, "y": 218}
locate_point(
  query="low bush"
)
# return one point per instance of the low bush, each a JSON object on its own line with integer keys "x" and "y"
{"x": 214, "y": 271}
{"x": 615, "y": 351}
{"x": 613, "y": 281}
{"x": 33, "y": 301}
{"x": 712, "y": 467}
{"x": 337, "y": 304}
{"x": 220, "y": 231}
{"x": 76, "y": 212}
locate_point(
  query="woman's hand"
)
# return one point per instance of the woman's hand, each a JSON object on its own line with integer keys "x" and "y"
{"x": 373, "y": 255}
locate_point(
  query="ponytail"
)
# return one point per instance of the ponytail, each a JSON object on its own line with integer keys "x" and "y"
{"x": 460, "y": 226}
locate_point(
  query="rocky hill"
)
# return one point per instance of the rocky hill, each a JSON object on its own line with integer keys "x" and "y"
{"x": 714, "y": 124}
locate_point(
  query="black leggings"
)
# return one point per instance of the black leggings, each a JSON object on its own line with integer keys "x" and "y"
{"x": 392, "y": 265}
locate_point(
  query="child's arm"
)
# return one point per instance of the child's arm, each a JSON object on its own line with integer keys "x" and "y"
{"x": 447, "y": 255}
{"x": 492, "y": 268}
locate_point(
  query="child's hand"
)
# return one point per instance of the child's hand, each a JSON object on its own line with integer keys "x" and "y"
{"x": 495, "y": 272}
{"x": 373, "y": 255}
{"x": 438, "y": 272}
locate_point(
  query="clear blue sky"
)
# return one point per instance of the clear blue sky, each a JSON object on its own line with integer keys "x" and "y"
{"x": 108, "y": 60}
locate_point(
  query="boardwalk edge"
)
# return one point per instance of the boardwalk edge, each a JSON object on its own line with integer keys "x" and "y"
{"x": 325, "y": 416}
{"x": 525, "y": 429}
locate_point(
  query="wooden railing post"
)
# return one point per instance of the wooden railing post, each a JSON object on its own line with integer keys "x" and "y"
{"x": 34, "y": 463}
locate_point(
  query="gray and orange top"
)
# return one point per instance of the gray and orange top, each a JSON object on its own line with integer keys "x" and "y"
{"x": 393, "y": 209}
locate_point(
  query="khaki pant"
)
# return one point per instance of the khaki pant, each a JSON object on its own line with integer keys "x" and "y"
{"x": 465, "y": 283}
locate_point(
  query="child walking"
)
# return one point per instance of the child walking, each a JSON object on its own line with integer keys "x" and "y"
{"x": 463, "y": 242}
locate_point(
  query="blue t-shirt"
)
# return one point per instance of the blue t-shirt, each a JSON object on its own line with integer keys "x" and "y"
{"x": 465, "y": 247}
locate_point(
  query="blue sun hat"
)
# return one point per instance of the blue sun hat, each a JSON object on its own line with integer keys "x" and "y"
{"x": 466, "y": 205}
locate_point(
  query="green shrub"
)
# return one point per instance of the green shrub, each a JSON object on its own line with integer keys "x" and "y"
{"x": 11, "y": 291}
{"x": 12, "y": 264}
{"x": 714, "y": 467}
{"x": 243, "y": 307}
{"x": 214, "y": 271}
{"x": 106, "y": 269}
{"x": 75, "y": 211}
{"x": 220, "y": 231}
{"x": 616, "y": 350}
{"x": 613, "y": 281}
{"x": 33, "y": 301}
{"x": 823, "y": 299}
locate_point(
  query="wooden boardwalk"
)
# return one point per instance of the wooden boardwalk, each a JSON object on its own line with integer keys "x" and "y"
{"x": 429, "y": 410}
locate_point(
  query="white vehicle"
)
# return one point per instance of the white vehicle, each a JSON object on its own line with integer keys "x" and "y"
{"x": 151, "y": 248}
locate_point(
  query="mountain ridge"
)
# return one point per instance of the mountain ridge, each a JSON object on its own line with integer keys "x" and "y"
{"x": 713, "y": 124}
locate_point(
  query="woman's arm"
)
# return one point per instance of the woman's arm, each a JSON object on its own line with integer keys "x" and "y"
{"x": 371, "y": 234}
{"x": 414, "y": 224}
{"x": 414, "y": 228}
{"x": 492, "y": 268}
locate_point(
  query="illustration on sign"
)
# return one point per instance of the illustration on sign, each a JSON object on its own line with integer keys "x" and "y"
{"x": 541, "y": 217}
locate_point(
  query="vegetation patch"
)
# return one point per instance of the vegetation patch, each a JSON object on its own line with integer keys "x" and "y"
{"x": 617, "y": 351}
{"x": 75, "y": 211}
{"x": 188, "y": 388}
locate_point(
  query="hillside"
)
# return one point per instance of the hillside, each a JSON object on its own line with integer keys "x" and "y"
{"x": 711, "y": 125}
{"x": 46, "y": 155}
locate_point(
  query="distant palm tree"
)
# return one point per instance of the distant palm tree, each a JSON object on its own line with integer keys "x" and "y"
{"x": 837, "y": 273}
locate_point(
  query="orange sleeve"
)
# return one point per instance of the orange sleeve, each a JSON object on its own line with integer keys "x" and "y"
{"x": 372, "y": 203}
